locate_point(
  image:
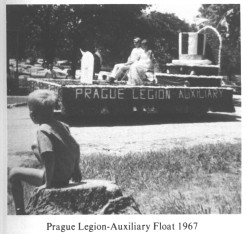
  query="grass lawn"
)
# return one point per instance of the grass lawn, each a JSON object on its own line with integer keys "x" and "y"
{"x": 205, "y": 179}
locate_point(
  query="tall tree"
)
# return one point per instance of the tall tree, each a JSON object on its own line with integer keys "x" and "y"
{"x": 61, "y": 30}
{"x": 226, "y": 18}
{"x": 15, "y": 33}
{"x": 162, "y": 30}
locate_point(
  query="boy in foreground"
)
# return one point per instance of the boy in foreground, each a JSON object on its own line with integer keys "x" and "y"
{"x": 56, "y": 149}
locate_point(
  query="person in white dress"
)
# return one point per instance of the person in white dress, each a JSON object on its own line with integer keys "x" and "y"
{"x": 137, "y": 71}
{"x": 121, "y": 69}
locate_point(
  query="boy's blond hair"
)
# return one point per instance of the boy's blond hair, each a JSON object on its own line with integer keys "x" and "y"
{"x": 42, "y": 102}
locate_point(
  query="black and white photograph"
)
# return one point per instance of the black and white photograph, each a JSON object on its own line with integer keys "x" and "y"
{"x": 129, "y": 108}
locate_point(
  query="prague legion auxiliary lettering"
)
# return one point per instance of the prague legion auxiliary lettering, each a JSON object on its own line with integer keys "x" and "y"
{"x": 131, "y": 226}
{"x": 91, "y": 93}
{"x": 200, "y": 93}
{"x": 120, "y": 93}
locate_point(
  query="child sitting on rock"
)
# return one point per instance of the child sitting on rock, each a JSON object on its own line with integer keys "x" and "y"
{"x": 56, "y": 149}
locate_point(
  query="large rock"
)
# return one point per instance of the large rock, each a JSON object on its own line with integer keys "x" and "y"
{"x": 87, "y": 197}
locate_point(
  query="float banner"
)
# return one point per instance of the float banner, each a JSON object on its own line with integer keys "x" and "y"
{"x": 218, "y": 98}
{"x": 145, "y": 93}
{"x": 75, "y": 98}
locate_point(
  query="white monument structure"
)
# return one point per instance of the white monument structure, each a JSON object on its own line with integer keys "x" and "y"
{"x": 192, "y": 47}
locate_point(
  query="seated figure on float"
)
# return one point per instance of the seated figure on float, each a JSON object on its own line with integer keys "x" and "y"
{"x": 121, "y": 69}
{"x": 137, "y": 73}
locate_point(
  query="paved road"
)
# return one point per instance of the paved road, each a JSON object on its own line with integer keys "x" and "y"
{"x": 122, "y": 136}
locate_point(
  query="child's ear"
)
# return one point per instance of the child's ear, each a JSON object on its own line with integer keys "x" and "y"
{"x": 32, "y": 115}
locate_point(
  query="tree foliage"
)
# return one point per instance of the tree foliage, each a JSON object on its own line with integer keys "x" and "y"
{"x": 50, "y": 31}
{"x": 226, "y": 18}
{"x": 162, "y": 30}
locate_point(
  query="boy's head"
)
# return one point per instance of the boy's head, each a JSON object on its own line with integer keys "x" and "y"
{"x": 41, "y": 105}
{"x": 137, "y": 42}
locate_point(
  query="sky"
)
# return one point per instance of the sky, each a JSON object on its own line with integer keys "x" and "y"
{"x": 184, "y": 11}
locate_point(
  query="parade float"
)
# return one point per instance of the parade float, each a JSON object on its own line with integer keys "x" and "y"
{"x": 191, "y": 84}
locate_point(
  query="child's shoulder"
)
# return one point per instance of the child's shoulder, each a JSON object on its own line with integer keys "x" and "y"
{"x": 53, "y": 126}
{"x": 47, "y": 128}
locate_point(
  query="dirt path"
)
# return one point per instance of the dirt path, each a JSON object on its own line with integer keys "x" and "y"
{"x": 119, "y": 140}
{"x": 131, "y": 135}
